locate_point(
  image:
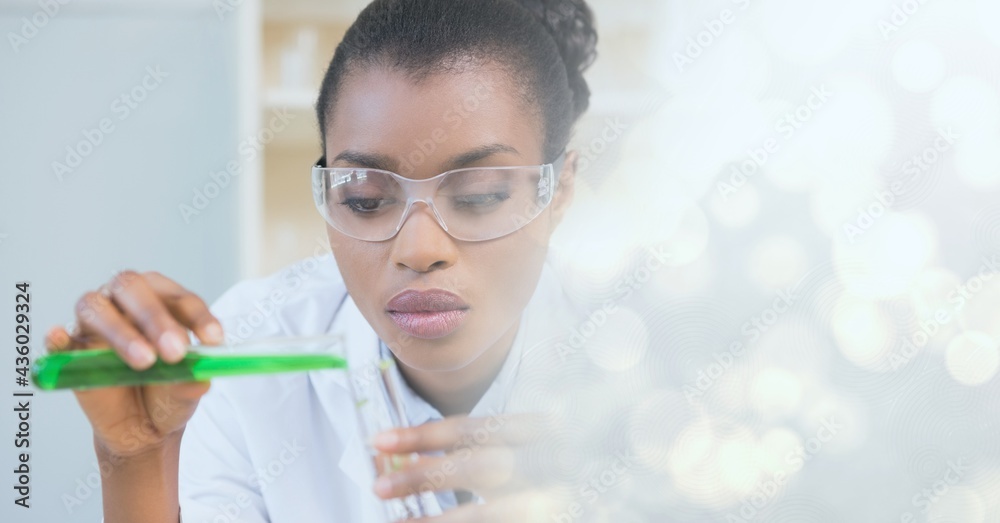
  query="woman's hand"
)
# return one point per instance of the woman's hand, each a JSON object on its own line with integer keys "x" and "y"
{"x": 141, "y": 316}
{"x": 480, "y": 455}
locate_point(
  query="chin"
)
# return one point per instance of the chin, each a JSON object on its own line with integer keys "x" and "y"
{"x": 449, "y": 353}
{"x": 435, "y": 359}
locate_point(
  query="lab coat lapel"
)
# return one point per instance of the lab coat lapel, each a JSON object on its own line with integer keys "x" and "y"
{"x": 331, "y": 387}
{"x": 361, "y": 345}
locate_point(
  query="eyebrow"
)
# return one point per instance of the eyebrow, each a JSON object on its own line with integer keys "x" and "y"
{"x": 386, "y": 163}
{"x": 479, "y": 153}
{"x": 366, "y": 160}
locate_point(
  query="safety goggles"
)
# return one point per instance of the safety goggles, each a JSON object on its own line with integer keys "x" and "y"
{"x": 470, "y": 204}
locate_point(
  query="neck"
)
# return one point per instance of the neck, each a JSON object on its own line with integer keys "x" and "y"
{"x": 457, "y": 391}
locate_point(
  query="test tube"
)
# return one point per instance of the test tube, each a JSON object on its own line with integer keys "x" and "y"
{"x": 380, "y": 407}
{"x": 102, "y": 367}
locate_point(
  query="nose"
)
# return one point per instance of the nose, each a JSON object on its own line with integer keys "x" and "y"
{"x": 421, "y": 244}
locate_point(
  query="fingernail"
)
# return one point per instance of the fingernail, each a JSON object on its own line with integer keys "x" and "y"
{"x": 386, "y": 439}
{"x": 141, "y": 353}
{"x": 213, "y": 331}
{"x": 383, "y": 486}
{"x": 172, "y": 346}
{"x": 58, "y": 337}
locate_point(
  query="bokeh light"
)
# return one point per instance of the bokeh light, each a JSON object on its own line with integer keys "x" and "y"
{"x": 778, "y": 262}
{"x": 885, "y": 259}
{"x": 972, "y": 358}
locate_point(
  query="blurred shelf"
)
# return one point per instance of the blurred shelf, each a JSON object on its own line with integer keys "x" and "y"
{"x": 341, "y": 11}
{"x": 297, "y": 41}
{"x": 294, "y": 57}
{"x": 300, "y": 132}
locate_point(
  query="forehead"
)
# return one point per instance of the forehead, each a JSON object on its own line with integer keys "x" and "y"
{"x": 384, "y": 111}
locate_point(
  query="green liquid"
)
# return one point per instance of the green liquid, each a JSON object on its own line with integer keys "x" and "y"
{"x": 87, "y": 369}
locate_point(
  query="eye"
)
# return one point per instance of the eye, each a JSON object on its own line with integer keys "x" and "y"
{"x": 480, "y": 201}
{"x": 366, "y": 205}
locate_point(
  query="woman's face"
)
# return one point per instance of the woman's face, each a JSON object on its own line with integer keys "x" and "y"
{"x": 383, "y": 119}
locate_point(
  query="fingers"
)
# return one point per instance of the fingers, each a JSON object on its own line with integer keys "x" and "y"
{"x": 57, "y": 339}
{"x": 189, "y": 309}
{"x": 96, "y": 313}
{"x": 483, "y": 470}
{"x": 145, "y": 309}
{"x": 140, "y": 316}
{"x": 451, "y": 433}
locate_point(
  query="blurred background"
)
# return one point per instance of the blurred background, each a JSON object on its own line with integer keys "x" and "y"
{"x": 794, "y": 207}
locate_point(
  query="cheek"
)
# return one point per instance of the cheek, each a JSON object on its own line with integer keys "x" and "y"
{"x": 534, "y": 237}
{"x": 509, "y": 268}
{"x": 357, "y": 260}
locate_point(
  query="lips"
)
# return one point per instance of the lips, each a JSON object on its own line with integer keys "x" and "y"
{"x": 427, "y": 314}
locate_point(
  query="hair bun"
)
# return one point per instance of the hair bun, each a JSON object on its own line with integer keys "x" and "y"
{"x": 571, "y": 24}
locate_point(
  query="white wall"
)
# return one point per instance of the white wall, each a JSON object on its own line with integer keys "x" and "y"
{"x": 119, "y": 208}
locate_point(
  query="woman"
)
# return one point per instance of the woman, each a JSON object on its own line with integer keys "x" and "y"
{"x": 448, "y": 275}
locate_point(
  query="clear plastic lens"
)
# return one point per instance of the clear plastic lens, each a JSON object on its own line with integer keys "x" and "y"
{"x": 471, "y": 204}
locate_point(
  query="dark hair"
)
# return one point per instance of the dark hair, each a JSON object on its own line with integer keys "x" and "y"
{"x": 543, "y": 46}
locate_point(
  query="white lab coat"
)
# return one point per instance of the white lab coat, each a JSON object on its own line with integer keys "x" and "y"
{"x": 286, "y": 447}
